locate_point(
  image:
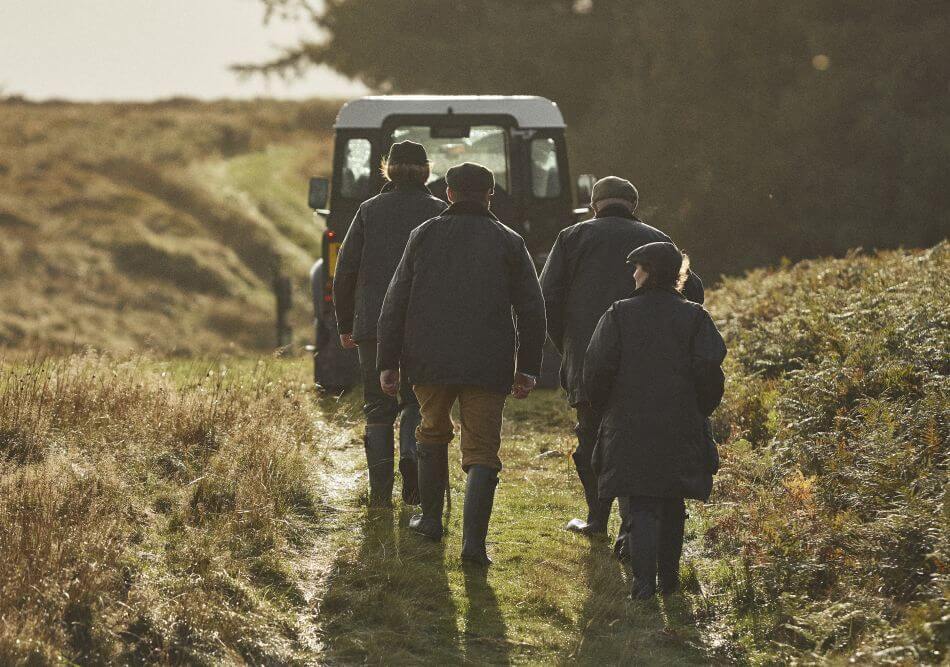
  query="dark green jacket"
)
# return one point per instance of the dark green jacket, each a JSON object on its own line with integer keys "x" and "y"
{"x": 654, "y": 367}
{"x": 464, "y": 304}
{"x": 371, "y": 251}
{"x": 585, "y": 273}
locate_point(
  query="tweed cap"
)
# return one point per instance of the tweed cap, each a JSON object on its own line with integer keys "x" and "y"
{"x": 614, "y": 189}
{"x": 407, "y": 152}
{"x": 470, "y": 177}
{"x": 663, "y": 255}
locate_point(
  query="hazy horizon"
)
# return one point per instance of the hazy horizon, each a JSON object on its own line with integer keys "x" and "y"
{"x": 141, "y": 50}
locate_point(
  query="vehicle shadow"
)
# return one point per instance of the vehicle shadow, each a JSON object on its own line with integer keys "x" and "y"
{"x": 486, "y": 635}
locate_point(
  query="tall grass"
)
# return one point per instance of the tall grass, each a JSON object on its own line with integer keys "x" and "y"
{"x": 829, "y": 530}
{"x": 152, "y": 514}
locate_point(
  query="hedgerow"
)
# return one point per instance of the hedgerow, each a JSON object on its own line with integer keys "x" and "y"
{"x": 828, "y": 533}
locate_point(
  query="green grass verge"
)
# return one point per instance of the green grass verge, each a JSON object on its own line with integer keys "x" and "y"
{"x": 550, "y": 597}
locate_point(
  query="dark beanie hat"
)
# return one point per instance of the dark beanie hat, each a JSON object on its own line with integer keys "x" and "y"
{"x": 470, "y": 177}
{"x": 407, "y": 152}
{"x": 665, "y": 256}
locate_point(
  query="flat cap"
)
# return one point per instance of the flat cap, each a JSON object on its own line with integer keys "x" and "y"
{"x": 661, "y": 254}
{"x": 613, "y": 187}
{"x": 407, "y": 152}
{"x": 470, "y": 177}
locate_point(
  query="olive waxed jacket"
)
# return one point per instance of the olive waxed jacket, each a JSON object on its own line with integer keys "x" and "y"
{"x": 463, "y": 304}
{"x": 371, "y": 251}
{"x": 585, "y": 273}
{"x": 654, "y": 366}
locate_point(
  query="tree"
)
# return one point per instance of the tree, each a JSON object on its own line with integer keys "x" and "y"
{"x": 755, "y": 129}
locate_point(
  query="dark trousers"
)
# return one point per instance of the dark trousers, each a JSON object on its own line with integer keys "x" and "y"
{"x": 656, "y": 539}
{"x": 379, "y": 407}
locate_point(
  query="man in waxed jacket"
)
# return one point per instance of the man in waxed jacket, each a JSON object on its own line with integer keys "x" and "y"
{"x": 464, "y": 320}
{"x": 585, "y": 273}
{"x": 368, "y": 258}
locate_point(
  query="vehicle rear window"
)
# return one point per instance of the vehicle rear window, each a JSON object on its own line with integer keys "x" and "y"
{"x": 354, "y": 181}
{"x": 545, "y": 177}
{"x": 485, "y": 144}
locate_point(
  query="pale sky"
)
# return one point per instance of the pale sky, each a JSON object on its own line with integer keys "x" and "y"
{"x": 146, "y": 50}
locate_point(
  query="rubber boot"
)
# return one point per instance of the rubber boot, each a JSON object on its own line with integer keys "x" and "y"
{"x": 641, "y": 544}
{"x": 598, "y": 511}
{"x": 670, "y": 546}
{"x": 433, "y": 479}
{"x": 379, "y": 442}
{"x": 479, "y": 498}
{"x": 408, "y": 467}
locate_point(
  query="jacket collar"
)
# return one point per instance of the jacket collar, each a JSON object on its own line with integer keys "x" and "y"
{"x": 469, "y": 208}
{"x": 617, "y": 211}
{"x": 389, "y": 186}
{"x": 647, "y": 289}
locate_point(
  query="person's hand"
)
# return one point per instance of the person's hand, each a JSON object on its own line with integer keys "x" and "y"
{"x": 346, "y": 340}
{"x": 523, "y": 385}
{"x": 389, "y": 382}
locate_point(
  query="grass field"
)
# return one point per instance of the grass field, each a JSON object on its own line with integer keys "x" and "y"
{"x": 215, "y": 512}
{"x": 156, "y": 226}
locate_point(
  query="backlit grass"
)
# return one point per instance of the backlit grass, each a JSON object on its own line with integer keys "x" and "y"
{"x": 550, "y": 596}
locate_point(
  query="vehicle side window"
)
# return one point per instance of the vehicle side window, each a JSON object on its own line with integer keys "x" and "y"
{"x": 354, "y": 181}
{"x": 545, "y": 177}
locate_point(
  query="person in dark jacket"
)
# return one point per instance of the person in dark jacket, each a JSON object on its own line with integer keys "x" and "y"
{"x": 464, "y": 320}
{"x": 585, "y": 272}
{"x": 366, "y": 263}
{"x": 654, "y": 369}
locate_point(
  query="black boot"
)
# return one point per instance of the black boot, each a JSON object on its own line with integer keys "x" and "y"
{"x": 379, "y": 442}
{"x": 641, "y": 545}
{"x": 670, "y": 546}
{"x": 433, "y": 479}
{"x": 408, "y": 468}
{"x": 598, "y": 511}
{"x": 479, "y": 498}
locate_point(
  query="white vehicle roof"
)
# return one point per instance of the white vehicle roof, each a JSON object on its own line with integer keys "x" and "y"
{"x": 372, "y": 112}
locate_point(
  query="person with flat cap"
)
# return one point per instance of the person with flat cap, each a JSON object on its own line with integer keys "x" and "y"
{"x": 653, "y": 369}
{"x": 585, "y": 273}
{"x": 464, "y": 321}
{"x": 368, "y": 257}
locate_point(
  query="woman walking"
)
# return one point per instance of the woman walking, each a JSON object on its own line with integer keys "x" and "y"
{"x": 654, "y": 365}
{"x": 368, "y": 258}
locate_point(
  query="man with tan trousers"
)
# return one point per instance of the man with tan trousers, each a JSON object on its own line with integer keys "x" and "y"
{"x": 464, "y": 319}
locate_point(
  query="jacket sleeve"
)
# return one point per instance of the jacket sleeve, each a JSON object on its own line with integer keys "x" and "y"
{"x": 347, "y": 271}
{"x": 708, "y": 353}
{"x": 602, "y": 360}
{"x": 554, "y": 286}
{"x": 528, "y": 304}
{"x": 392, "y": 318}
{"x": 693, "y": 290}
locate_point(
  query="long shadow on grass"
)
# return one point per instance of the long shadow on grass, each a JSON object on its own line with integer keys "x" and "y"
{"x": 486, "y": 635}
{"x": 617, "y": 631}
{"x": 390, "y": 601}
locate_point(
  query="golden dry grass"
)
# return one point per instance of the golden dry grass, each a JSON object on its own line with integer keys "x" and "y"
{"x": 152, "y": 513}
{"x": 132, "y": 226}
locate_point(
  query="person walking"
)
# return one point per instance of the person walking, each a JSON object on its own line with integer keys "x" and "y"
{"x": 654, "y": 370}
{"x": 464, "y": 320}
{"x": 584, "y": 274}
{"x": 368, "y": 257}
